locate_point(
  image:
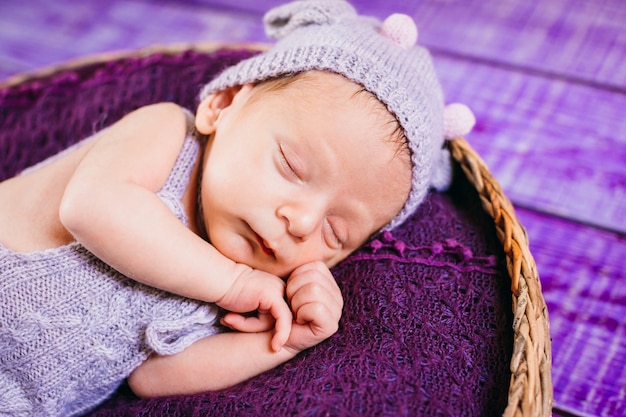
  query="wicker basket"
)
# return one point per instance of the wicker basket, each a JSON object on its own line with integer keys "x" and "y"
{"x": 530, "y": 391}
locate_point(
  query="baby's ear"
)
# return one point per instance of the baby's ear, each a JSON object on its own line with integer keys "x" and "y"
{"x": 212, "y": 105}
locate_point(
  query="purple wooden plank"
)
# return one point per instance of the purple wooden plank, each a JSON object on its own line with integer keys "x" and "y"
{"x": 572, "y": 38}
{"x": 569, "y": 37}
{"x": 583, "y": 271}
{"x": 553, "y": 145}
{"x": 575, "y": 38}
{"x": 37, "y": 33}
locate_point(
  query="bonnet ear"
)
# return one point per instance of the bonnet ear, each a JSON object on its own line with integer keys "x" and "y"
{"x": 282, "y": 20}
{"x": 458, "y": 121}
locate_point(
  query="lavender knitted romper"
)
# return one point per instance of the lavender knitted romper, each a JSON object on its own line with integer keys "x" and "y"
{"x": 72, "y": 328}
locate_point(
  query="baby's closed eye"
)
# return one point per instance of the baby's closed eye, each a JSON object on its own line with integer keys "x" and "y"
{"x": 290, "y": 165}
{"x": 333, "y": 235}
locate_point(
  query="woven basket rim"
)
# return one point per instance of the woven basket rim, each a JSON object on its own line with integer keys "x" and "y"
{"x": 530, "y": 389}
{"x": 110, "y": 56}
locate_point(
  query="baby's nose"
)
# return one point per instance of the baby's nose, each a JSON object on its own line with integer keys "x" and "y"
{"x": 303, "y": 220}
{"x": 303, "y": 225}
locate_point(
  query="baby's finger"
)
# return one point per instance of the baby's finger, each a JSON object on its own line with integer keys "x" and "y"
{"x": 313, "y": 273}
{"x": 284, "y": 319}
{"x": 315, "y": 293}
{"x": 320, "y": 320}
{"x": 248, "y": 324}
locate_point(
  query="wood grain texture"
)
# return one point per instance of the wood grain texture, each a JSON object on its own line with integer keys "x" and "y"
{"x": 552, "y": 144}
{"x": 583, "y": 271}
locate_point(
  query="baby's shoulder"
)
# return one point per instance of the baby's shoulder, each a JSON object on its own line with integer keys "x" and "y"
{"x": 159, "y": 113}
{"x": 154, "y": 121}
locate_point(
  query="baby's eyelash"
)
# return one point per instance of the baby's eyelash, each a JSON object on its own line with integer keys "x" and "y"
{"x": 287, "y": 164}
{"x": 335, "y": 235}
{"x": 339, "y": 242}
{"x": 285, "y": 161}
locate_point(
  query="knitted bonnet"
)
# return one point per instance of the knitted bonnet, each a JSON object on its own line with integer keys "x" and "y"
{"x": 382, "y": 57}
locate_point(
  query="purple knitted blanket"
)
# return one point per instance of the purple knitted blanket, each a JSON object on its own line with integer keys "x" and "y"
{"x": 426, "y": 329}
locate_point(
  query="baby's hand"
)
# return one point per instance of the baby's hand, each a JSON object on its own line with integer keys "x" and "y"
{"x": 255, "y": 290}
{"x": 316, "y": 302}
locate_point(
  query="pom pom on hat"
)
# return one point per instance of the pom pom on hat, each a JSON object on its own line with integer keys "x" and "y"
{"x": 400, "y": 29}
{"x": 458, "y": 121}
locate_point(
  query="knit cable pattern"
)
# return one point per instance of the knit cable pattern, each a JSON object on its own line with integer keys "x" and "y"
{"x": 72, "y": 328}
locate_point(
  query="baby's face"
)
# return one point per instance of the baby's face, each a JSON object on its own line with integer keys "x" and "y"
{"x": 300, "y": 174}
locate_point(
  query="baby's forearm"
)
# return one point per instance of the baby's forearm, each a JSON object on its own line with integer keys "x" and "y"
{"x": 111, "y": 207}
{"x": 213, "y": 363}
{"x": 139, "y": 236}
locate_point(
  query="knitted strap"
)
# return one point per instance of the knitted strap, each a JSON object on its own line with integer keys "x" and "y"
{"x": 172, "y": 191}
{"x": 167, "y": 338}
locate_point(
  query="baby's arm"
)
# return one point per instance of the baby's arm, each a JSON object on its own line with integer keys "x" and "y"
{"x": 111, "y": 207}
{"x": 225, "y": 359}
